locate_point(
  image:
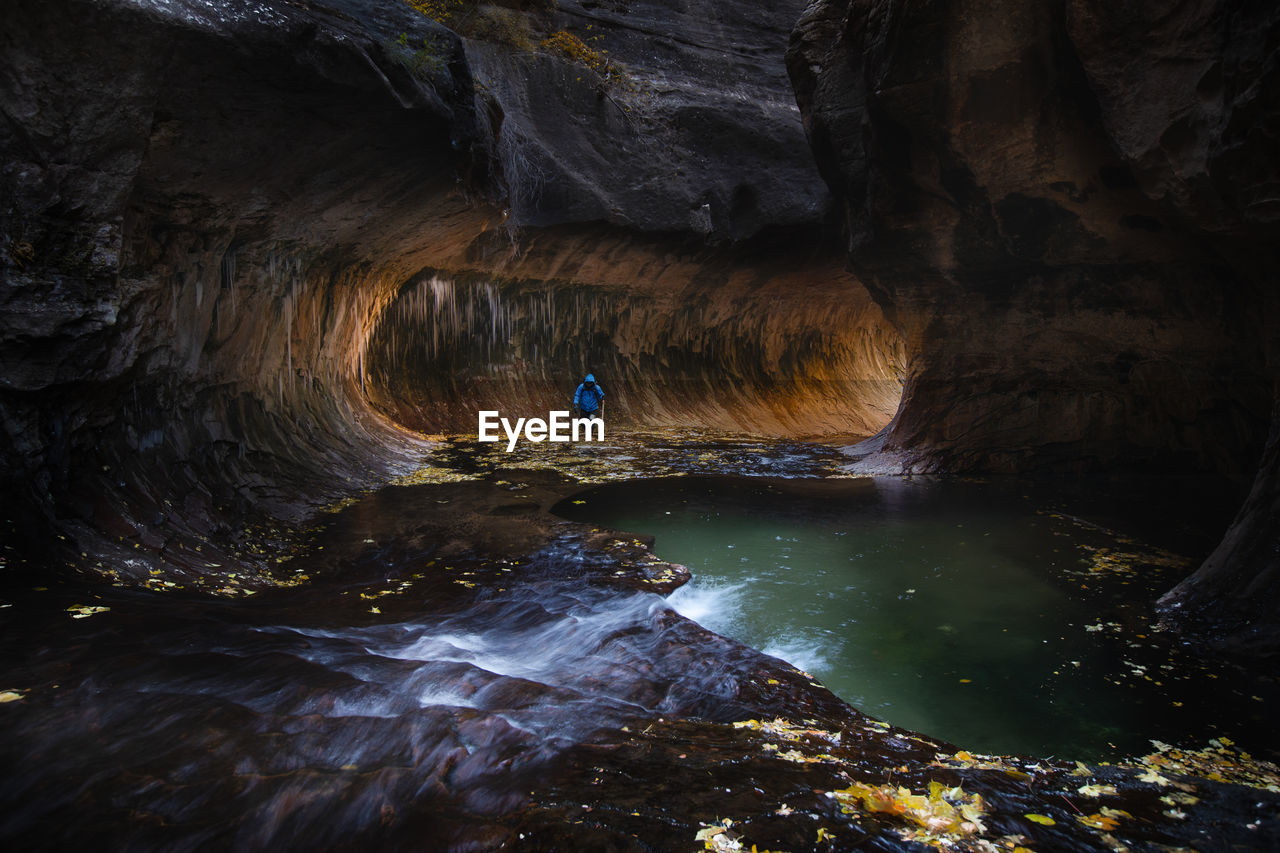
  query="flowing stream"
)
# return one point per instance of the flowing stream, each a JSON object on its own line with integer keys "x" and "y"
{"x": 408, "y": 699}
{"x": 243, "y": 726}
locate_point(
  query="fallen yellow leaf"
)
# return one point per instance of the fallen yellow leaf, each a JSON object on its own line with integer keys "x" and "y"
{"x": 943, "y": 810}
{"x": 80, "y": 611}
{"x": 1096, "y": 790}
{"x": 1106, "y": 819}
{"x": 1150, "y": 775}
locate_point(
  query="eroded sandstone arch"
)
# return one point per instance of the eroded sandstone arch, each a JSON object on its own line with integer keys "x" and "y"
{"x": 212, "y": 207}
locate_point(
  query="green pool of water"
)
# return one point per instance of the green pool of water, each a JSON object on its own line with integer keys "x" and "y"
{"x": 973, "y": 612}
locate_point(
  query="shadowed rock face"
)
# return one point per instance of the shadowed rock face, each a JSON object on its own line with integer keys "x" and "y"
{"x": 1188, "y": 100}
{"x": 695, "y": 131}
{"x": 1192, "y": 108}
{"x": 1067, "y": 211}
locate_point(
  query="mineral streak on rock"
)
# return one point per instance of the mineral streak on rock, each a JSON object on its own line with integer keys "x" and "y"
{"x": 707, "y": 352}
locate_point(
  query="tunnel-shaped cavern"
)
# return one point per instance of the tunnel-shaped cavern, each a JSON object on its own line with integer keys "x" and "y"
{"x": 793, "y": 355}
{"x": 937, "y": 498}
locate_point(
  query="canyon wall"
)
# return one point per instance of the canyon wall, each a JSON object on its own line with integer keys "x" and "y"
{"x": 1069, "y": 210}
{"x": 216, "y": 210}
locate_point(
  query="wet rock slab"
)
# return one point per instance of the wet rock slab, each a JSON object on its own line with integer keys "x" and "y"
{"x": 464, "y": 671}
{"x": 862, "y": 784}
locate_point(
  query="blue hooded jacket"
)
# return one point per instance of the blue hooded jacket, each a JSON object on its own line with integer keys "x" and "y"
{"x": 588, "y": 396}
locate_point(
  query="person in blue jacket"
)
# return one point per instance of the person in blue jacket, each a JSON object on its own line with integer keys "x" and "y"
{"x": 588, "y": 400}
